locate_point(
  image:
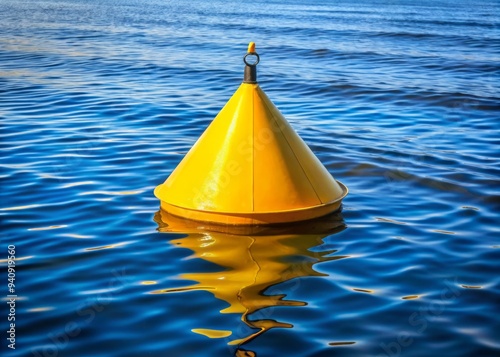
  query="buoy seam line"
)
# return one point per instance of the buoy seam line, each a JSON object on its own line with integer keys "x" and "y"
{"x": 294, "y": 154}
{"x": 253, "y": 152}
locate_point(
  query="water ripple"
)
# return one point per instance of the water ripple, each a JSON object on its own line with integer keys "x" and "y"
{"x": 99, "y": 101}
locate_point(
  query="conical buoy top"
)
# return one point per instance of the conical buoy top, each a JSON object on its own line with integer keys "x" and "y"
{"x": 250, "y": 167}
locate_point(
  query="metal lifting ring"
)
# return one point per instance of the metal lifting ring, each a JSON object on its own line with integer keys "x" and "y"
{"x": 252, "y": 54}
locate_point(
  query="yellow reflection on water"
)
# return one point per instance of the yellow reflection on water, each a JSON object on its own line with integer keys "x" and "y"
{"x": 254, "y": 260}
{"x": 148, "y": 282}
{"x": 212, "y": 333}
{"x": 363, "y": 290}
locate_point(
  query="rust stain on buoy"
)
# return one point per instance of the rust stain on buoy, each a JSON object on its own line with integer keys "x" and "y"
{"x": 250, "y": 167}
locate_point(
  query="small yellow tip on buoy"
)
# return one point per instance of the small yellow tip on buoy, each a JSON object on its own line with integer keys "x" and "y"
{"x": 251, "y": 47}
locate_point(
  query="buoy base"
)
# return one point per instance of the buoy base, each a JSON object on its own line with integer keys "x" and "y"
{"x": 257, "y": 218}
{"x": 329, "y": 224}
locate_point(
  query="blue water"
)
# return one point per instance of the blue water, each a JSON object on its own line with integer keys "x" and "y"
{"x": 99, "y": 101}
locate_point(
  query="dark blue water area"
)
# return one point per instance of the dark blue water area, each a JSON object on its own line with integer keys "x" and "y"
{"x": 100, "y": 100}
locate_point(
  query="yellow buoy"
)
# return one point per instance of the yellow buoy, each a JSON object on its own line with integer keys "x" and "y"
{"x": 254, "y": 262}
{"x": 250, "y": 167}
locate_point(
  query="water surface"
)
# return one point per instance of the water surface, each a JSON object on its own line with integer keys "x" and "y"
{"x": 100, "y": 100}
